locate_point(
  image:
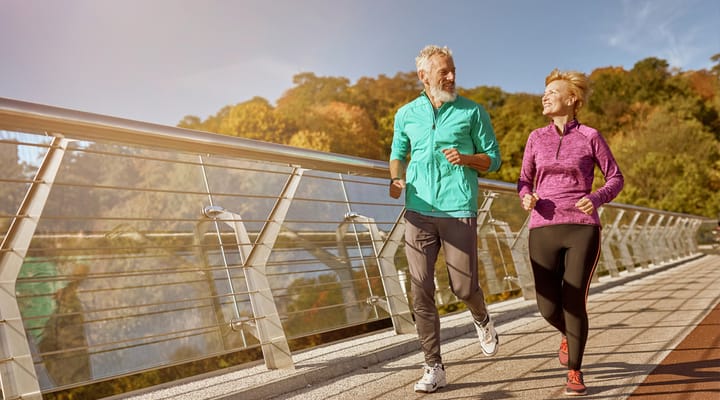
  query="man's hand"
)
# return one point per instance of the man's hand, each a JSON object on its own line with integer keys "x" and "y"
{"x": 585, "y": 205}
{"x": 453, "y": 156}
{"x": 396, "y": 188}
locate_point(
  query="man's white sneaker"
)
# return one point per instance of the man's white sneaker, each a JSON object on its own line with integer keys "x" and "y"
{"x": 489, "y": 341}
{"x": 432, "y": 380}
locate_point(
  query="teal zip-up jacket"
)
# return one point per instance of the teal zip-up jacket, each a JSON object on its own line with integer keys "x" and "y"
{"x": 434, "y": 186}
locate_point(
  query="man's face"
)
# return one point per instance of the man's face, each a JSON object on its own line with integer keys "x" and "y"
{"x": 440, "y": 79}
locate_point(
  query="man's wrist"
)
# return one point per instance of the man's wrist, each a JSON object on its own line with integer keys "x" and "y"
{"x": 392, "y": 180}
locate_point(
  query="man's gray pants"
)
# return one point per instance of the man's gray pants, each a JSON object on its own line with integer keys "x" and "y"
{"x": 424, "y": 236}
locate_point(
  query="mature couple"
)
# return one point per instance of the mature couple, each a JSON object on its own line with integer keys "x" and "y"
{"x": 449, "y": 140}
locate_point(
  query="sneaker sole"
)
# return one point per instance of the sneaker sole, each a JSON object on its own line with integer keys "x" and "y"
{"x": 567, "y": 393}
{"x": 497, "y": 346}
{"x": 417, "y": 390}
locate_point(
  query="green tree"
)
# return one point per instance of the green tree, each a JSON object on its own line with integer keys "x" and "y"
{"x": 254, "y": 119}
{"x": 381, "y": 97}
{"x": 649, "y": 80}
{"x": 668, "y": 161}
{"x": 715, "y": 70}
{"x": 608, "y": 107}
{"x": 517, "y": 116}
{"x": 350, "y": 128}
{"x": 320, "y": 141}
{"x": 309, "y": 91}
{"x": 490, "y": 97}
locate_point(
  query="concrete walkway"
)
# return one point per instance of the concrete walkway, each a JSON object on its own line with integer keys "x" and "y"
{"x": 636, "y": 320}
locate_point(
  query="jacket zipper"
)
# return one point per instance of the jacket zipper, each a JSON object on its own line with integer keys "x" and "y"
{"x": 435, "y": 114}
{"x": 557, "y": 153}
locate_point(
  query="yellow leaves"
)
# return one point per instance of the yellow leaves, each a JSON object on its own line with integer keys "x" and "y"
{"x": 320, "y": 141}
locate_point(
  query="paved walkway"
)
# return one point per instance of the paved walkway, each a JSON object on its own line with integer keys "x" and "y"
{"x": 691, "y": 370}
{"x": 635, "y": 323}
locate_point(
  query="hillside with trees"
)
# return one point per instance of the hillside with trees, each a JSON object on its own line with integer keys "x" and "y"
{"x": 663, "y": 125}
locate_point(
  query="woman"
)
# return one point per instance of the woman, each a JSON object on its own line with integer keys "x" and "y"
{"x": 555, "y": 185}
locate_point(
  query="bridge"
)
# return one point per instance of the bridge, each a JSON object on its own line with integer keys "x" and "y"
{"x": 651, "y": 337}
{"x": 148, "y": 261}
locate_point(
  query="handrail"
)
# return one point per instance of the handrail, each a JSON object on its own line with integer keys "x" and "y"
{"x": 44, "y": 119}
{"x": 40, "y": 118}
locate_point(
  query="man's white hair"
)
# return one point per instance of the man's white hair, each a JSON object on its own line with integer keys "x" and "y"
{"x": 421, "y": 61}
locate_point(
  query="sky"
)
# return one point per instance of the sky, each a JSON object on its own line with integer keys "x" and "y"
{"x": 161, "y": 60}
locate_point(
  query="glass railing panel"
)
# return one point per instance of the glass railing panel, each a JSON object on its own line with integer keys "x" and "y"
{"x": 20, "y": 153}
{"x": 130, "y": 277}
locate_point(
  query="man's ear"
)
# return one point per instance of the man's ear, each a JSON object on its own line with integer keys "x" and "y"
{"x": 421, "y": 76}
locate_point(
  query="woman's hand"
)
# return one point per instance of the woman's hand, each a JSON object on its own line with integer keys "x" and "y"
{"x": 585, "y": 205}
{"x": 529, "y": 200}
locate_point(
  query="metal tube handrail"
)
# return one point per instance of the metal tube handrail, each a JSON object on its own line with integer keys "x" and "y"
{"x": 39, "y": 118}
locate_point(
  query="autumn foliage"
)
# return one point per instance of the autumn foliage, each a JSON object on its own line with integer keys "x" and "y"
{"x": 663, "y": 125}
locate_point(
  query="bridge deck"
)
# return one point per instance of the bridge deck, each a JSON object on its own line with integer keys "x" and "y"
{"x": 635, "y": 322}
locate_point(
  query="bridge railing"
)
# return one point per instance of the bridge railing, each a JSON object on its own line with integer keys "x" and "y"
{"x": 131, "y": 247}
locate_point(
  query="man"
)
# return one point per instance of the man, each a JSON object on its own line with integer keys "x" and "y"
{"x": 450, "y": 139}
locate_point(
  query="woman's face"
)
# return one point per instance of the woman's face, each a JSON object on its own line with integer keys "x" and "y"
{"x": 557, "y": 100}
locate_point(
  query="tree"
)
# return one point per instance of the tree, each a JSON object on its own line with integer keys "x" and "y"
{"x": 716, "y": 68}
{"x": 669, "y": 161}
{"x": 254, "y": 119}
{"x": 490, "y": 97}
{"x": 514, "y": 116}
{"x": 649, "y": 79}
{"x": 608, "y": 106}
{"x": 381, "y": 97}
{"x": 309, "y": 91}
{"x": 320, "y": 141}
{"x": 350, "y": 128}
{"x": 329, "y": 114}
{"x": 190, "y": 122}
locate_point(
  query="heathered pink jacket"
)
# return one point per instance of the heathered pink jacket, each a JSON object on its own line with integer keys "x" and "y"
{"x": 560, "y": 169}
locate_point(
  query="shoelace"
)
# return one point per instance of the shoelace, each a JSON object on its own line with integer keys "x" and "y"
{"x": 564, "y": 346}
{"x": 575, "y": 377}
{"x": 429, "y": 374}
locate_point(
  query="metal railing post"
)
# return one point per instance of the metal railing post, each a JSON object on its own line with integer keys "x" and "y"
{"x": 397, "y": 302}
{"x": 627, "y": 259}
{"x": 607, "y": 256}
{"x": 275, "y": 348}
{"x": 17, "y": 369}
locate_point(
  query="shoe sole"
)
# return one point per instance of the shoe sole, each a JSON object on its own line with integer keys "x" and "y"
{"x": 575, "y": 393}
{"x": 497, "y": 346}
{"x": 429, "y": 391}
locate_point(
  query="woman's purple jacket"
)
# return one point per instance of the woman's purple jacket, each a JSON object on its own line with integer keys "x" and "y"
{"x": 560, "y": 169}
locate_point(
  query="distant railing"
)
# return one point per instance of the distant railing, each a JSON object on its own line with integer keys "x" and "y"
{"x": 129, "y": 247}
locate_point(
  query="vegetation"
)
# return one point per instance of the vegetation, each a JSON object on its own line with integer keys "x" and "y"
{"x": 662, "y": 124}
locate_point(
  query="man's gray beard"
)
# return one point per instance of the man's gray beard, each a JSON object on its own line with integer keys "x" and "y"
{"x": 438, "y": 94}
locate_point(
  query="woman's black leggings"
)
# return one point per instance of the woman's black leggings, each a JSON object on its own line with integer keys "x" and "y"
{"x": 563, "y": 260}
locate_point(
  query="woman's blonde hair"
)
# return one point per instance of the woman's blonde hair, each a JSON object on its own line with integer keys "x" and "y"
{"x": 579, "y": 85}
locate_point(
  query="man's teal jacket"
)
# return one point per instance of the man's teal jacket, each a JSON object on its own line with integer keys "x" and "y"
{"x": 434, "y": 185}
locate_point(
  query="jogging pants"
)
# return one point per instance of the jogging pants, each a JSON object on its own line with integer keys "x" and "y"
{"x": 423, "y": 238}
{"x": 563, "y": 259}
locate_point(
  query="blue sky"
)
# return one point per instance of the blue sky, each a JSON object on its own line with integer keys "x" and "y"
{"x": 159, "y": 60}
